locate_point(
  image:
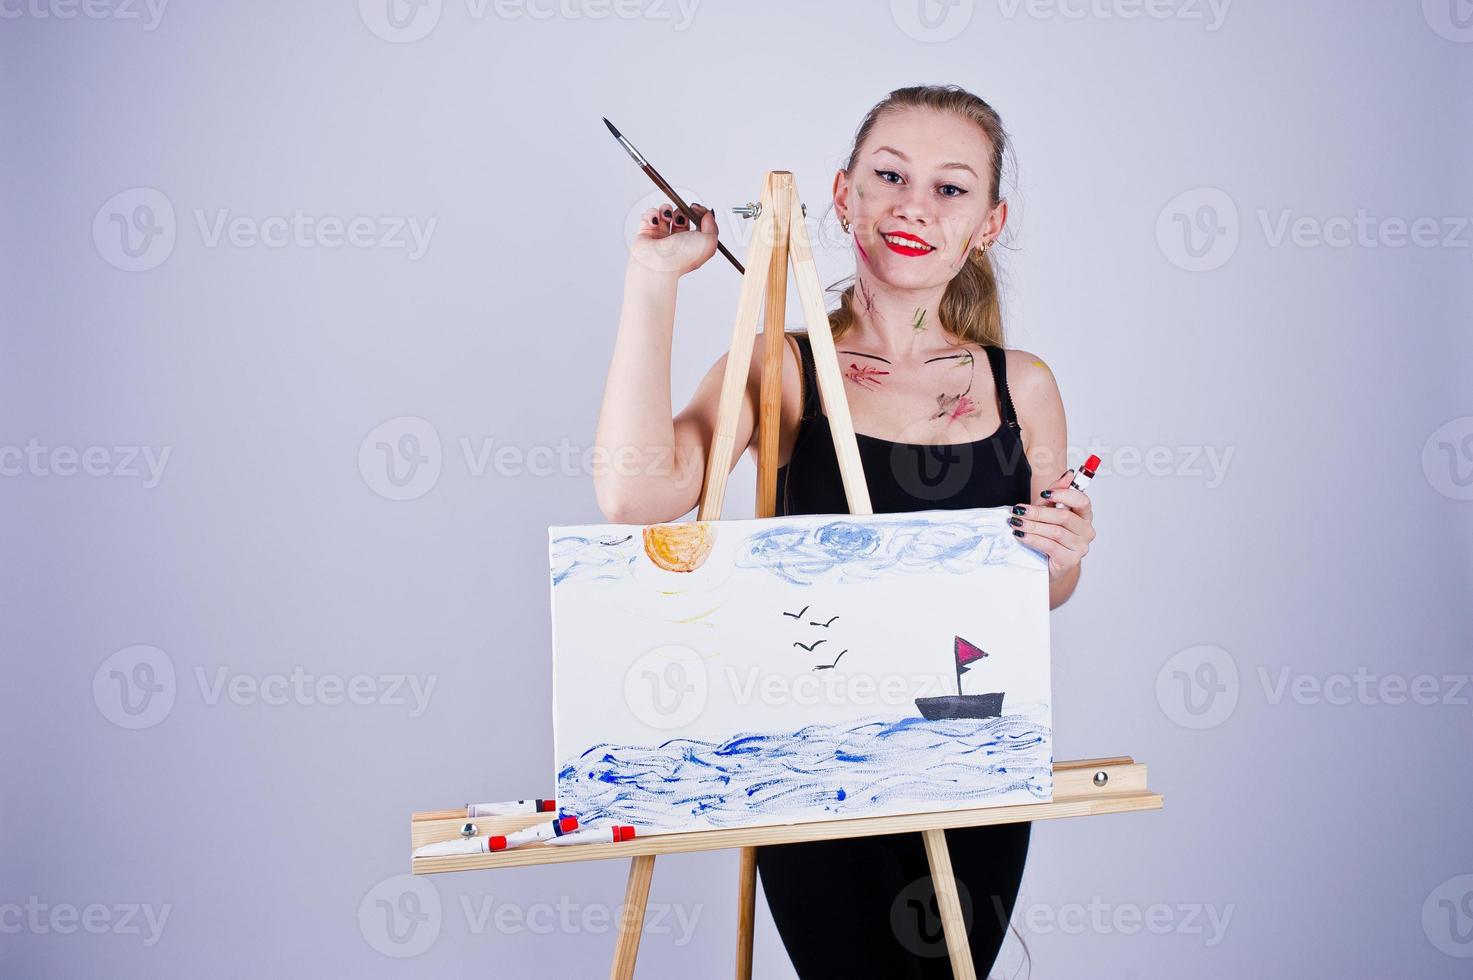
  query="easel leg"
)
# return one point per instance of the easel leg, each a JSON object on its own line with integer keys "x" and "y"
{"x": 746, "y": 910}
{"x": 631, "y": 921}
{"x": 949, "y": 905}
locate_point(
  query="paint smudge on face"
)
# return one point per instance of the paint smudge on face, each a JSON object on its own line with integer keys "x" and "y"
{"x": 866, "y": 376}
{"x": 920, "y": 321}
{"x": 862, "y": 253}
{"x": 954, "y": 407}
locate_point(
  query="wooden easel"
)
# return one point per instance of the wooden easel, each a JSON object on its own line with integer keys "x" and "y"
{"x": 1090, "y": 786}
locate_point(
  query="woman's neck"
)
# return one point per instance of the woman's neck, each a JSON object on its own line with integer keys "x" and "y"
{"x": 895, "y": 323}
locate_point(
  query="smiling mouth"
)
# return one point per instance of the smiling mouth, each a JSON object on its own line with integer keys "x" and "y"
{"x": 906, "y": 244}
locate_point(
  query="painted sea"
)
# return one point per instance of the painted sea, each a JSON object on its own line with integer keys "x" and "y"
{"x": 860, "y": 768}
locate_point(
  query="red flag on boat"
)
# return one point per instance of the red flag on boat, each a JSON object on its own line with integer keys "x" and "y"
{"x": 965, "y": 654}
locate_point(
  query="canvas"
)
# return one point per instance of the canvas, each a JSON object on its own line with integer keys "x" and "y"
{"x": 779, "y": 670}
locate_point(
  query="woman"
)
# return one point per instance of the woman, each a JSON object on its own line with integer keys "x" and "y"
{"x": 945, "y": 418}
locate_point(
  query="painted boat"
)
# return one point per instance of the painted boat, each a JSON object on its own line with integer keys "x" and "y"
{"x": 961, "y": 705}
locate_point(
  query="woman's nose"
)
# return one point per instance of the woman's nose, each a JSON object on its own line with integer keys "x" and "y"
{"x": 914, "y": 207}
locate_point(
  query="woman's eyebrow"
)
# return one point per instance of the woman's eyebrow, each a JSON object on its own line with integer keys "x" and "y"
{"x": 944, "y": 166}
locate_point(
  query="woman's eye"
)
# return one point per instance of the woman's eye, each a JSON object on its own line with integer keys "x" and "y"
{"x": 946, "y": 189}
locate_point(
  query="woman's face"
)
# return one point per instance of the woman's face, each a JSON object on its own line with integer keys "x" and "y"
{"x": 917, "y": 197}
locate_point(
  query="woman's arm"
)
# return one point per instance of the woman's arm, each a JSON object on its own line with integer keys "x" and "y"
{"x": 652, "y": 465}
{"x": 1063, "y": 534}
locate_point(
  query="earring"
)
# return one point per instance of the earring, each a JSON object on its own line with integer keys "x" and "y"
{"x": 844, "y": 223}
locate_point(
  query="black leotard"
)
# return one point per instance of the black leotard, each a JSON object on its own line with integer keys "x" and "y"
{"x": 864, "y": 906}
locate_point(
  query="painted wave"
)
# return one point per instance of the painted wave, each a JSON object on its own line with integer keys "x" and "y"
{"x": 848, "y": 770}
{"x": 606, "y": 556}
{"x": 860, "y": 551}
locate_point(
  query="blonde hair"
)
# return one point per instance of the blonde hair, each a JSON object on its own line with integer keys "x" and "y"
{"x": 970, "y": 308}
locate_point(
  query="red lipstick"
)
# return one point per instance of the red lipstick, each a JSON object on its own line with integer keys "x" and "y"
{"x": 922, "y": 247}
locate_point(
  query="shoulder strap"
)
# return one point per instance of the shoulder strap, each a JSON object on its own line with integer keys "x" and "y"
{"x": 808, "y": 375}
{"x": 997, "y": 357}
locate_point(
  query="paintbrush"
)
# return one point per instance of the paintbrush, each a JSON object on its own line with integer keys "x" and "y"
{"x": 669, "y": 191}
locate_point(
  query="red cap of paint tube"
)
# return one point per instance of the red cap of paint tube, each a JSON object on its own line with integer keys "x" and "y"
{"x": 623, "y": 834}
{"x": 497, "y": 843}
{"x": 546, "y": 806}
{"x": 567, "y": 825}
{"x": 1088, "y": 469}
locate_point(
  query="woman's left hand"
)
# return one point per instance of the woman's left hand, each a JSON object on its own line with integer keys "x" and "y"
{"x": 1061, "y": 533}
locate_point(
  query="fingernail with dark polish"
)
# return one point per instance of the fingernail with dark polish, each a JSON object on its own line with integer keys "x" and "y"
{"x": 1019, "y": 509}
{"x": 1015, "y": 521}
{"x": 1046, "y": 494}
{"x": 1017, "y": 533}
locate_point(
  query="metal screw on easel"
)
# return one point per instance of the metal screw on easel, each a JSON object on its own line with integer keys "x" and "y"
{"x": 467, "y": 830}
{"x": 1101, "y": 778}
{"x": 751, "y": 210}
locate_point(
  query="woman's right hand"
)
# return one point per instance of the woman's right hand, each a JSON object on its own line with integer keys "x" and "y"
{"x": 666, "y": 242}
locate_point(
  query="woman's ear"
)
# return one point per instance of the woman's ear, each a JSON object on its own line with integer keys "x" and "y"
{"x": 841, "y": 192}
